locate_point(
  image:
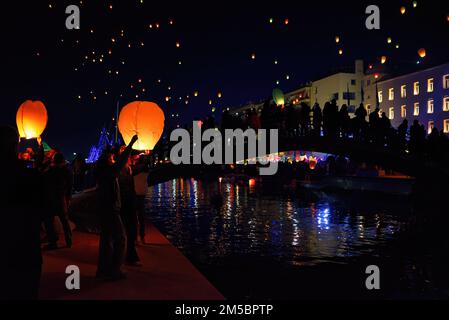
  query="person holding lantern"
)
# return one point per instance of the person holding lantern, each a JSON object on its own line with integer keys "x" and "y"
{"x": 21, "y": 216}
{"x": 128, "y": 213}
{"x": 113, "y": 236}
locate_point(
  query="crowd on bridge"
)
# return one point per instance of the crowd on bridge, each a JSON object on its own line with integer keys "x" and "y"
{"x": 334, "y": 122}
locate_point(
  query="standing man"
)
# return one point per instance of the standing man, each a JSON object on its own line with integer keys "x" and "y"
{"x": 58, "y": 193}
{"x": 113, "y": 237}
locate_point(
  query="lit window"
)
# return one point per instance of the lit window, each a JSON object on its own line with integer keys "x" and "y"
{"x": 430, "y": 127}
{"x": 446, "y": 104}
{"x": 391, "y": 113}
{"x": 403, "y": 112}
{"x": 380, "y": 96}
{"x": 430, "y": 106}
{"x": 430, "y": 85}
{"x": 446, "y": 126}
{"x": 416, "y": 109}
{"x": 416, "y": 88}
{"x": 446, "y": 81}
{"x": 404, "y": 91}
{"x": 391, "y": 94}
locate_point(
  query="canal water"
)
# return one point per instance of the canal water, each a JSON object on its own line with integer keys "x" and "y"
{"x": 268, "y": 240}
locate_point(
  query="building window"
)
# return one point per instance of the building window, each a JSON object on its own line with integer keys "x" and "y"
{"x": 404, "y": 91}
{"x": 446, "y": 126}
{"x": 391, "y": 94}
{"x": 380, "y": 97}
{"x": 416, "y": 109}
{"x": 416, "y": 88}
{"x": 430, "y": 85}
{"x": 403, "y": 112}
{"x": 430, "y": 106}
{"x": 446, "y": 104}
{"x": 335, "y": 96}
{"x": 353, "y": 82}
{"x": 430, "y": 127}
{"x": 391, "y": 113}
{"x": 446, "y": 81}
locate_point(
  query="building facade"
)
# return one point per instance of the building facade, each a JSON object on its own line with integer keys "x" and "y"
{"x": 344, "y": 87}
{"x": 422, "y": 96}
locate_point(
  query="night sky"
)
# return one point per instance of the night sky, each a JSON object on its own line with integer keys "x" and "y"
{"x": 42, "y": 60}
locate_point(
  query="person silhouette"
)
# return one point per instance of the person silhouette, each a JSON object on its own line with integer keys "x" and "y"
{"x": 21, "y": 216}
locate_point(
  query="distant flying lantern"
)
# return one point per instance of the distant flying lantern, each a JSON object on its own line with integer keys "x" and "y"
{"x": 144, "y": 119}
{"x": 278, "y": 97}
{"x": 340, "y": 52}
{"x": 389, "y": 40}
{"x": 403, "y": 10}
{"x": 31, "y": 119}
{"x": 415, "y": 4}
{"x": 422, "y": 52}
{"x": 286, "y": 21}
{"x": 383, "y": 59}
{"x": 337, "y": 39}
{"x": 253, "y": 56}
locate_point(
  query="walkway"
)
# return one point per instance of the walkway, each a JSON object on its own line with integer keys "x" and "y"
{"x": 166, "y": 274}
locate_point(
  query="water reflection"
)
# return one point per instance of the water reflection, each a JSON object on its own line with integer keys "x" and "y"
{"x": 220, "y": 219}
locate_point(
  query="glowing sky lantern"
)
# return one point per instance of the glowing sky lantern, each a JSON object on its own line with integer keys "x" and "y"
{"x": 340, "y": 51}
{"x": 146, "y": 120}
{"x": 389, "y": 40}
{"x": 31, "y": 119}
{"x": 403, "y": 9}
{"x": 286, "y": 21}
{"x": 422, "y": 52}
{"x": 383, "y": 59}
{"x": 337, "y": 39}
{"x": 278, "y": 97}
{"x": 415, "y": 4}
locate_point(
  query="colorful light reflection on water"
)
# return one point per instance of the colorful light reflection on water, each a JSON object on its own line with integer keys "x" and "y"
{"x": 222, "y": 219}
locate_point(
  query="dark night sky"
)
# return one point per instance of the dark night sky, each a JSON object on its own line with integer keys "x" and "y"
{"x": 217, "y": 40}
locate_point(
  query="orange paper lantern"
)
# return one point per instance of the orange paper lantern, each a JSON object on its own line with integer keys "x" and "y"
{"x": 144, "y": 119}
{"x": 422, "y": 52}
{"x": 31, "y": 119}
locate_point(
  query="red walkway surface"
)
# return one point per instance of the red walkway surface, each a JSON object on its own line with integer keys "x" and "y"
{"x": 166, "y": 274}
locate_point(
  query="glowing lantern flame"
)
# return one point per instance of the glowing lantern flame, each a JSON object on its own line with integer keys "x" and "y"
{"x": 313, "y": 162}
{"x": 337, "y": 39}
{"x": 403, "y": 10}
{"x": 252, "y": 182}
{"x": 146, "y": 120}
{"x": 422, "y": 52}
{"x": 383, "y": 59}
{"x": 31, "y": 119}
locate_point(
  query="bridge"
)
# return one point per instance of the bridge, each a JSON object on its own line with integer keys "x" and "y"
{"x": 362, "y": 152}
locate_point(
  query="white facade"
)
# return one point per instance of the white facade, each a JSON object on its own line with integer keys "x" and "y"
{"x": 422, "y": 96}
